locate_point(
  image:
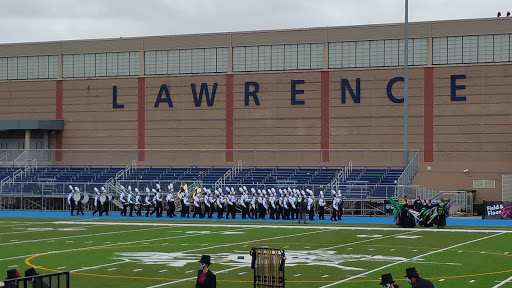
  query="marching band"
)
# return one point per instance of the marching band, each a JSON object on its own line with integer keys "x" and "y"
{"x": 203, "y": 203}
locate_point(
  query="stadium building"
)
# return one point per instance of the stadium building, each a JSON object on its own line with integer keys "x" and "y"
{"x": 324, "y": 97}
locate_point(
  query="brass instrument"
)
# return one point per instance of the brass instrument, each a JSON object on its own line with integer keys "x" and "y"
{"x": 183, "y": 188}
{"x": 195, "y": 190}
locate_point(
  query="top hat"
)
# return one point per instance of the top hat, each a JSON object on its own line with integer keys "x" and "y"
{"x": 12, "y": 274}
{"x": 205, "y": 259}
{"x": 386, "y": 279}
{"x": 30, "y": 272}
{"x": 411, "y": 272}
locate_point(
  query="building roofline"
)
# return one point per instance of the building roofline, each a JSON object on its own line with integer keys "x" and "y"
{"x": 262, "y": 31}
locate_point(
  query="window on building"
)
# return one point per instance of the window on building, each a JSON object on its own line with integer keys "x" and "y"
{"x": 469, "y": 49}
{"x": 101, "y": 64}
{"x": 33, "y": 67}
{"x": 440, "y": 50}
{"x": 161, "y": 62}
{"x": 454, "y": 50}
{"x": 251, "y": 58}
{"x": 78, "y": 65}
{"x": 210, "y": 60}
{"x": 278, "y": 57}
{"x": 173, "y": 62}
{"x": 335, "y": 54}
{"x": 22, "y": 68}
{"x": 265, "y": 58}
{"x": 197, "y": 60}
{"x": 420, "y": 51}
{"x": 391, "y": 52}
{"x": 238, "y": 59}
{"x": 485, "y": 48}
{"x": 185, "y": 61}
{"x": 377, "y": 53}
{"x": 290, "y": 57}
{"x": 123, "y": 64}
{"x": 502, "y": 48}
{"x": 363, "y": 54}
{"x": 90, "y": 65}
{"x": 304, "y": 56}
{"x": 317, "y": 56}
{"x": 348, "y": 54}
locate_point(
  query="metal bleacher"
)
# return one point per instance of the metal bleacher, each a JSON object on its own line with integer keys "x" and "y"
{"x": 360, "y": 182}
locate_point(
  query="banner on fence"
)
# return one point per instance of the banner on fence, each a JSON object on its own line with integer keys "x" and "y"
{"x": 497, "y": 210}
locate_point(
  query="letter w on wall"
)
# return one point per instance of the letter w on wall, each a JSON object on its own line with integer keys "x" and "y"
{"x": 204, "y": 90}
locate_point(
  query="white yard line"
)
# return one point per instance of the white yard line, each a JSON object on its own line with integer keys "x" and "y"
{"x": 77, "y": 236}
{"x": 503, "y": 282}
{"x": 286, "y": 226}
{"x": 367, "y": 240}
{"x": 394, "y": 263}
{"x": 99, "y": 266}
{"x": 53, "y": 230}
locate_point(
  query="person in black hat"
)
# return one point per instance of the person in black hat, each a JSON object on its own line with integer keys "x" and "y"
{"x": 12, "y": 274}
{"x": 386, "y": 280}
{"x": 412, "y": 276}
{"x": 36, "y": 282}
{"x": 205, "y": 277}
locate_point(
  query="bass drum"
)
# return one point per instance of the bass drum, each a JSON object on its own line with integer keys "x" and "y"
{"x": 103, "y": 198}
{"x": 77, "y": 196}
{"x": 109, "y": 197}
{"x": 86, "y": 198}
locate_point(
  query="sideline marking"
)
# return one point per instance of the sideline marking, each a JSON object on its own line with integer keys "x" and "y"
{"x": 286, "y": 226}
{"x": 398, "y": 262}
{"x": 502, "y": 282}
{"x": 92, "y": 267}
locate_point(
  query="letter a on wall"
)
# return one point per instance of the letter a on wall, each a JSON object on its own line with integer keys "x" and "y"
{"x": 167, "y": 99}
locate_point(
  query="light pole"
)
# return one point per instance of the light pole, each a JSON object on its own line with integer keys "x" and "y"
{"x": 406, "y": 85}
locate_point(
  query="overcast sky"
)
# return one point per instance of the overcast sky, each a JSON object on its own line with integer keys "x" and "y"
{"x": 49, "y": 20}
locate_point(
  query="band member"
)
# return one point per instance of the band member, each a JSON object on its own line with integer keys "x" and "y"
{"x": 197, "y": 204}
{"x": 230, "y": 203}
{"x": 206, "y": 202}
{"x": 244, "y": 201}
{"x": 97, "y": 202}
{"x": 220, "y": 205}
{"x": 321, "y": 206}
{"x": 213, "y": 201}
{"x": 253, "y": 204}
{"x": 412, "y": 276}
{"x": 340, "y": 205}
{"x": 303, "y": 206}
{"x": 78, "y": 203}
{"x": 335, "y": 207}
{"x": 292, "y": 199}
{"x": 286, "y": 207}
{"x": 170, "y": 201}
{"x": 106, "y": 202}
{"x": 205, "y": 277}
{"x": 311, "y": 205}
{"x": 138, "y": 202}
{"x": 159, "y": 200}
{"x": 280, "y": 205}
{"x": 71, "y": 200}
{"x": 185, "y": 210}
{"x": 122, "y": 198}
{"x": 272, "y": 206}
{"x": 130, "y": 201}
{"x": 386, "y": 280}
{"x": 147, "y": 201}
{"x": 264, "y": 204}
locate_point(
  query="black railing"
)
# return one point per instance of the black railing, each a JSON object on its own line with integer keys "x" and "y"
{"x": 52, "y": 280}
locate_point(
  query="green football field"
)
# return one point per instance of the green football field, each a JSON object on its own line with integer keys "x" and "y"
{"x": 164, "y": 254}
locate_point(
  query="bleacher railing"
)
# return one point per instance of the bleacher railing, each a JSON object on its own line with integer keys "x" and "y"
{"x": 212, "y": 157}
{"x": 409, "y": 172}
